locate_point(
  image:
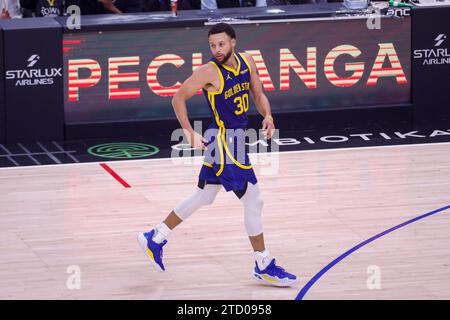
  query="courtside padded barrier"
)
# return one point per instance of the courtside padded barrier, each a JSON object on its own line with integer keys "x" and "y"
{"x": 431, "y": 65}
{"x": 33, "y": 79}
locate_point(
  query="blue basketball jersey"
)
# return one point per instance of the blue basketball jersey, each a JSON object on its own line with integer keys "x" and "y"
{"x": 227, "y": 162}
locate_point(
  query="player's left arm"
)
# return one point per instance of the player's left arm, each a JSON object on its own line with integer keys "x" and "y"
{"x": 260, "y": 99}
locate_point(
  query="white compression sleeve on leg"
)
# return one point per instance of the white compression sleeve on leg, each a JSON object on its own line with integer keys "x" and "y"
{"x": 253, "y": 204}
{"x": 200, "y": 198}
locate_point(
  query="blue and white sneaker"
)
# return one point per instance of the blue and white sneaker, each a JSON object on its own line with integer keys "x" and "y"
{"x": 274, "y": 275}
{"x": 152, "y": 249}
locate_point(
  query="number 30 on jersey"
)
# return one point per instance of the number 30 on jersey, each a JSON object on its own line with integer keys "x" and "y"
{"x": 242, "y": 104}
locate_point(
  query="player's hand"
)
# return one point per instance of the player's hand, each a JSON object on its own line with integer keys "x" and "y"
{"x": 196, "y": 140}
{"x": 268, "y": 127}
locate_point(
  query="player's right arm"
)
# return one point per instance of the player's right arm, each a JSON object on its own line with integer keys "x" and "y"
{"x": 199, "y": 79}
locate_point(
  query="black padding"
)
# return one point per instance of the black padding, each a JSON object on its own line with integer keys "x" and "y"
{"x": 201, "y": 184}
{"x": 240, "y": 193}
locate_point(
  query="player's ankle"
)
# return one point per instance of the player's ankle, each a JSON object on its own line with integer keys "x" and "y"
{"x": 162, "y": 231}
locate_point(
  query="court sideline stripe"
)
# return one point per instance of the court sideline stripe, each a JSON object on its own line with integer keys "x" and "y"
{"x": 115, "y": 175}
{"x": 316, "y": 277}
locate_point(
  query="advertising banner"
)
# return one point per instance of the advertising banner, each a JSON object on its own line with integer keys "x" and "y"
{"x": 304, "y": 66}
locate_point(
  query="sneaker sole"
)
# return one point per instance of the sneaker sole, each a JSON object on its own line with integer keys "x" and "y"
{"x": 281, "y": 283}
{"x": 143, "y": 244}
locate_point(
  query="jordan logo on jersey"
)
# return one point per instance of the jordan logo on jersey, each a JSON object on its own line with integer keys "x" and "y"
{"x": 228, "y": 76}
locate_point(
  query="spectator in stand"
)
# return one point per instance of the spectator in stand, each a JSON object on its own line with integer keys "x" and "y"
{"x": 215, "y": 4}
{"x": 130, "y": 6}
{"x": 164, "y": 5}
{"x": 10, "y": 9}
{"x": 43, "y": 8}
{"x": 109, "y": 6}
{"x": 270, "y": 3}
{"x": 4, "y": 15}
{"x": 94, "y": 6}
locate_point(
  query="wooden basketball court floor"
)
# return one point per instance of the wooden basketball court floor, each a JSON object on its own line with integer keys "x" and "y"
{"x": 60, "y": 218}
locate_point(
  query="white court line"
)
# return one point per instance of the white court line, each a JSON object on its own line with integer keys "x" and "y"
{"x": 29, "y": 154}
{"x": 197, "y": 157}
{"x": 48, "y": 153}
{"x": 8, "y": 156}
{"x": 66, "y": 152}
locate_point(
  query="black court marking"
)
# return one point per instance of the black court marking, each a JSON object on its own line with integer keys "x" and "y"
{"x": 38, "y": 153}
{"x": 45, "y": 153}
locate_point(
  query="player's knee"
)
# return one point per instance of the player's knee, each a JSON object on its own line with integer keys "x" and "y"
{"x": 254, "y": 202}
{"x": 198, "y": 199}
{"x": 259, "y": 203}
{"x": 208, "y": 194}
{"x": 253, "y": 209}
{"x": 253, "y": 221}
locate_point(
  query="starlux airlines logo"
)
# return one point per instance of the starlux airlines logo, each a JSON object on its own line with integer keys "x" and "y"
{"x": 305, "y": 68}
{"x": 33, "y": 60}
{"x": 33, "y": 76}
{"x": 439, "y": 39}
{"x": 437, "y": 55}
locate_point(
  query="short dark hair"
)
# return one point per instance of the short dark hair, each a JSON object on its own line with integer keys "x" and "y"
{"x": 222, "y": 27}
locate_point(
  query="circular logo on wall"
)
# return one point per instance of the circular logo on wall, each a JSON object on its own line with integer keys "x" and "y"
{"x": 123, "y": 150}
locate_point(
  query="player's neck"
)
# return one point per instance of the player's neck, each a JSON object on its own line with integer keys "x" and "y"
{"x": 232, "y": 62}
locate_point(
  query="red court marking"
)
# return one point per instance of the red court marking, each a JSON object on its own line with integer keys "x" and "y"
{"x": 115, "y": 175}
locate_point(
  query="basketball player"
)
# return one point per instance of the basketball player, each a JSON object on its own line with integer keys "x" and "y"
{"x": 226, "y": 82}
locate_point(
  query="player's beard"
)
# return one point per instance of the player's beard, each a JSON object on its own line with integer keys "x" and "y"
{"x": 225, "y": 58}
